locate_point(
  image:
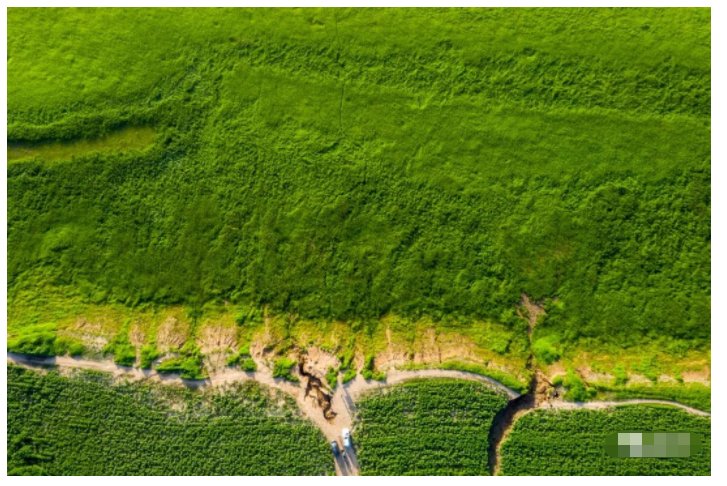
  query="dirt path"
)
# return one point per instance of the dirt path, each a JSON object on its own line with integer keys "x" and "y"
{"x": 358, "y": 386}
{"x": 600, "y": 405}
{"x": 343, "y": 400}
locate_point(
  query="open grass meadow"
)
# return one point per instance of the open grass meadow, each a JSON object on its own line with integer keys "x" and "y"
{"x": 351, "y": 164}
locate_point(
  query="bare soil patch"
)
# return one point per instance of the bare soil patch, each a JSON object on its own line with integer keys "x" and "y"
{"x": 703, "y": 376}
{"x": 137, "y": 337}
{"x": 172, "y": 334}
{"x": 531, "y": 311}
{"x": 216, "y": 338}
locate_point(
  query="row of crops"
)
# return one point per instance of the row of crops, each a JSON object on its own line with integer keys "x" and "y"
{"x": 86, "y": 425}
{"x": 440, "y": 427}
{"x": 427, "y": 427}
{"x": 551, "y": 442}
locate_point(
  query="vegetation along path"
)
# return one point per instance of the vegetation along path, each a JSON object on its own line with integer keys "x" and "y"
{"x": 340, "y": 409}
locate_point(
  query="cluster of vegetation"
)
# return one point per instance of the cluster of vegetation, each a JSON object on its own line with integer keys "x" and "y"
{"x": 148, "y": 355}
{"x": 427, "y": 427}
{"x": 120, "y": 347}
{"x": 243, "y": 359}
{"x": 187, "y": 363}
{"x": 248, "y": 315}
{"x": 369, "y": 371}
{"x": 347, "y": 366}
{"x": 577, "y": 390}
{"x": 43, "y": 340}
{"x": 283, "y": 368}
{"x": 346, "y": 164}
{"x": 86, "y": 425}
{"x": 571, "y": 443}
{"x": 332, "y": 377}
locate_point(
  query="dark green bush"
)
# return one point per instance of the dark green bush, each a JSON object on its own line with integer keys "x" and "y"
{"x": 147, "y": 356}
{"x": 283, "y": 368}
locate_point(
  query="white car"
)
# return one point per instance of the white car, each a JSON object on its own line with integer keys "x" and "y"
{"x": 346, "y": 434}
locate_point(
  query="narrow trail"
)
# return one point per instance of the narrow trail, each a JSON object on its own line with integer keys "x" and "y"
{"x": 333, "y": 411}
{"x": 601, "y": 405}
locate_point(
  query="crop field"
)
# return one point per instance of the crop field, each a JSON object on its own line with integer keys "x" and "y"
{"x": 85, "y": 425}
{"x": 427, "y": 427}
{"x": 562, "y": 443}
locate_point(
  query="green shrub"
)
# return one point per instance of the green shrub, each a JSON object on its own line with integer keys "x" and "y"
{"x": 243, "y": 359}
{"x": 248, "y": 364}
{"x": 248, "y": 315}
{"x": 42, "y": 340}
{"x": 283, "y": 368}
{"x": 348, "y": 375}
{"x": 506, "y": 379}
{"x": 188, "y": 367}
{"x": 332, "y": 377}
{"x": 620, "y": 375}
{"x": 369, "y": 372}
{"x": 148, "y": 355}
{"x": 576, "y": 388}
{"x": 545, "y": 349}
{"x": 188, "y": 364}
{"x": 124, "y": 355}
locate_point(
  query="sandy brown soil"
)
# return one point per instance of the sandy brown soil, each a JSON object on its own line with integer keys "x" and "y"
{"x": 171, "y": 335}
{"x": 703, "y": 376}
{"x": 532, "y": 311}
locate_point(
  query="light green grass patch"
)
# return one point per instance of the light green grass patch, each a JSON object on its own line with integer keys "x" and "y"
{"x": 122, "y": 141}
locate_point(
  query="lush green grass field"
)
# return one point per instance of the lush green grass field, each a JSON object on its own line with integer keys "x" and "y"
{"x": 85, "y": 425}
{"x": 351, "y": 164}
{"x": 426, "y": 427}
{"x": 568, "y": 443}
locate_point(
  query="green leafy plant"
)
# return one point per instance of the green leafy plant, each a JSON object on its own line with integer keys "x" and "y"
{"x": 283, "y": 368}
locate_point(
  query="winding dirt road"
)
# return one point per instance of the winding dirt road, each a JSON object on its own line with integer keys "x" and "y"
{"x": 343, "y": 402}
{"x": 600, "y": 405}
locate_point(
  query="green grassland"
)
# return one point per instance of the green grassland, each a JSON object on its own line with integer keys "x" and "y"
{"x": 87, "y": 425}
{"x": 568, "y": 443}
{"x": 427, "y": 427}
{"x": 350, "y": 165}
